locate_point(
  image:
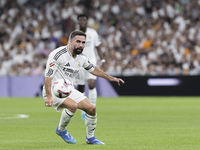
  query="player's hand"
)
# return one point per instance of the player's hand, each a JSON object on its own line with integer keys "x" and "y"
{"x": 118, "y": 80}
{"x": 49, "y": 102}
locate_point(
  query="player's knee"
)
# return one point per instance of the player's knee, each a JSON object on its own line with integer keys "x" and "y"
{"x": 73, "y": 107}
{"x": 91, "y": 86}
{"x": 92, "y": 111}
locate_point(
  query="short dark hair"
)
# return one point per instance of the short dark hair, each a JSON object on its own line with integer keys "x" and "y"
{"x": 77, "y": 32}
{"x": 82, "y": 15}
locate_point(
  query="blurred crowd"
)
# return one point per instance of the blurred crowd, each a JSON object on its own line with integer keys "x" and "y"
{"x": 139, "y": 37}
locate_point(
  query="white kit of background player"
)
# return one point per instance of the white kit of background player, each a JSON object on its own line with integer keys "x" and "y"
{"x": 92, "y": 47}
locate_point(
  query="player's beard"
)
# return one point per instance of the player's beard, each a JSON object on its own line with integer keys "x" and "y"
{"x": 76, "y": 50}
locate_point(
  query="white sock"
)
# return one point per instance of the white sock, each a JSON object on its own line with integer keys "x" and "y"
{"x": 90, "y": 122}
{"x": 66, "y": 116}
{"x": 93, "y": 96}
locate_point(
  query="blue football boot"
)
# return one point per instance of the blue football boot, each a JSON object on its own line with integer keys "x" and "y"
{"x": 66, "y": 136}
{"x": 94, "y": 140}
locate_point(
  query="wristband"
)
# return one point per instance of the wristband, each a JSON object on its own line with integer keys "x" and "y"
{"x": 103, "y": 61}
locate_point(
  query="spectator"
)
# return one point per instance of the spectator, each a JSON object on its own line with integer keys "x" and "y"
{"x": 36, "y": 69}
{"x": 3, "y": 71}
{"x": 162, "y": 37}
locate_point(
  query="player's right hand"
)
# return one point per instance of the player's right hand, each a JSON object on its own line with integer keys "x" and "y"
{"x": 49, "y": 102}
{"x": 118, "y": 80}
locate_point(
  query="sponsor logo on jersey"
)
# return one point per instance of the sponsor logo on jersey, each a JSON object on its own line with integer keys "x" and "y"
{"x": 70, "y": 72}
{"x": 67, "y": 64}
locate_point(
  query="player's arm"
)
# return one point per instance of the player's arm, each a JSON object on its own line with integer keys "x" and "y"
{"x": 99, "y": 52}
{"x": 51, "y": 67}
{"x": 98, "y": 72}
{"x": 98, "y": 48}
{"x": 47, "y": 84}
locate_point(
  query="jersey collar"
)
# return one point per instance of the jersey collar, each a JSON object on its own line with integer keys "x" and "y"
{"x": 67, "y": 47}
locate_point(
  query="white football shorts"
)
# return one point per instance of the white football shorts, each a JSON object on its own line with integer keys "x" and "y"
{"x": 75, "y": 95}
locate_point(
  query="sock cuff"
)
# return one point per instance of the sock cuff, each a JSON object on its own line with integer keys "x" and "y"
{"x": 94, "y": 89}
{"x": 69, "y": 113}
{"x": 91, "y": 117}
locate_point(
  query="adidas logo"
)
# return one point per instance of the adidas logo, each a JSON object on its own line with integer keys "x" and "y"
{"x": 67, "y": 64}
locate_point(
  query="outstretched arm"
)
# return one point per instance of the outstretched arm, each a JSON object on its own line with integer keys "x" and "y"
{"x": 98, "y": 72}
{"x": 101, "y": 57}
{"x": 47, "y": 83}
{"x": 99, "y": 52}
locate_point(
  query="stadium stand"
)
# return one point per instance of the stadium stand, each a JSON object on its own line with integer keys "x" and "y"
{"x": 139, "y": 37}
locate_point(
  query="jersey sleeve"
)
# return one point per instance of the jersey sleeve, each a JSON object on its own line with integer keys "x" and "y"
{"x": 51, "y": 67}
{"x": 88, "y": 66}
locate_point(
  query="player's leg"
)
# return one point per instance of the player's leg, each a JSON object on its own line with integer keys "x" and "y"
{"x": 70, "y": 107}
{"x": 90, "y": 121}
{"x": 80, "y": 81}
{"x": 81, "y": 88}
{"x": 92, "y": 90}
{"x": 91, "y": 79}
{"x": 91, "y": 118}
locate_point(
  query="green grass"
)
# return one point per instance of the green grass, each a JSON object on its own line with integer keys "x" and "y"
{"x": 124, "y": 123}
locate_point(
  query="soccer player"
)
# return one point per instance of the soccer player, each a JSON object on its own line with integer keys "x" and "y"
{"x": 65, "y": 62}
{"x": 92, "y": 42}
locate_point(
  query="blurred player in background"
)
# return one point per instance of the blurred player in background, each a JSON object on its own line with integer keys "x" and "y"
{"x": 92, "y": 44}
{"x": 65, "y": 62}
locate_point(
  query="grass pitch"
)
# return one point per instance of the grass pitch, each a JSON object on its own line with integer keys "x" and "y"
{"x": 124, "y": 123}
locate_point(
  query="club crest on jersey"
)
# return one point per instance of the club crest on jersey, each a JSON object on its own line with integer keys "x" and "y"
{"x": 79, "y": 64}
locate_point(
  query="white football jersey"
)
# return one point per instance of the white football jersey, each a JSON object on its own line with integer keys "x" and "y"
{"x": 92, "y": 41}
{"x": 61, "y": 64}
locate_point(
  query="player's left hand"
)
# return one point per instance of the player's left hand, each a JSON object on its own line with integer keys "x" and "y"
{"x": 49, "y": 102}
{"x": 118, "y": 80}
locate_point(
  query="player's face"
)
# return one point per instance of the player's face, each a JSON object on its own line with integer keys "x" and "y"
{"x": 82, "y": 21}
{"x": 78, "y": 44}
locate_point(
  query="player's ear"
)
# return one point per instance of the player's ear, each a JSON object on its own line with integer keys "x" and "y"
{"x": 71, "y": 41}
